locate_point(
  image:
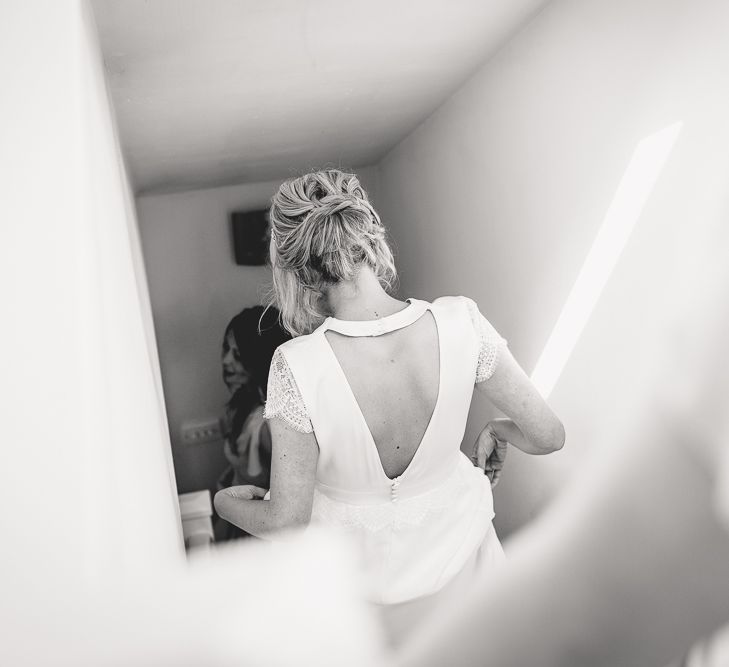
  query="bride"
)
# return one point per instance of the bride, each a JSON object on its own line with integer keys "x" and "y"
{"x": 367, "y": 406}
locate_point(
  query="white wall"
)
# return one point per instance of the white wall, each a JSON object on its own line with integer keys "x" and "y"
{"x": 196, "y": 288}
{"x": 88, "y": 489}
{"x": 92, "y": 569}
{"x": 500, "y": 193}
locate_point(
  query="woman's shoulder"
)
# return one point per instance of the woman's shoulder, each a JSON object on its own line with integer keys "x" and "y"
{"x": 460, "y": 303}
{"x": 466, "y": 308}
{"x": 300, "y": 346}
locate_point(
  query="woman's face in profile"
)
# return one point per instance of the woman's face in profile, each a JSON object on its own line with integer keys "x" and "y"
{"x": 234, "y": 374}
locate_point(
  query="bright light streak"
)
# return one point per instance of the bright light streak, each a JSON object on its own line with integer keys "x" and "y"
{"x": 645, "y": 166}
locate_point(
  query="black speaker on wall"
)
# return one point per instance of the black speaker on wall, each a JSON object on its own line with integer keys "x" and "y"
{"x": 250, "y": 237}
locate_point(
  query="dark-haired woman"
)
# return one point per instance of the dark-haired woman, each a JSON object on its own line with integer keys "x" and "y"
{"x": 249, "y": 342}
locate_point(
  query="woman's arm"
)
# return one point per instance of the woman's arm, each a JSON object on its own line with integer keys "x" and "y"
{"x": 530, "y": 424}
{"x": 293, "y": 472}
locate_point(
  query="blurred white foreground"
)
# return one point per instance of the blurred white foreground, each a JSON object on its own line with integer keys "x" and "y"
{"x": 291, "y": 603}
{"x": 92, "y": 567}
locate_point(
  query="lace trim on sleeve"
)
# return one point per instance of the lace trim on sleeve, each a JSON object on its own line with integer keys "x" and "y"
{"x": 490, "y": 343}
{"x": 283, "y": 397}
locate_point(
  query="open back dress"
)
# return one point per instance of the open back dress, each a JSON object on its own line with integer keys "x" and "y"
{"x": 419, "y": 530}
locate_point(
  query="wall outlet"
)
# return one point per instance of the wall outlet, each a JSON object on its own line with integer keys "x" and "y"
{"x": 197, "y": 432}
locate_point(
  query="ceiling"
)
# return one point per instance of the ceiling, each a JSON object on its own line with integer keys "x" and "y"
{"x": 213, "y": 92}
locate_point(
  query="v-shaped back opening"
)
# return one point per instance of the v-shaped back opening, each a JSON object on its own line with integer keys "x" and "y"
{"x": 393, "y": 383}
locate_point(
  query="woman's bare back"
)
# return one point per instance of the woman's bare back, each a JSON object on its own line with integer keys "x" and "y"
{"x": 395, "y": 380}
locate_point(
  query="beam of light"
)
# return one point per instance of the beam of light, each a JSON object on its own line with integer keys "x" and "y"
{"x": 645, "y": 166}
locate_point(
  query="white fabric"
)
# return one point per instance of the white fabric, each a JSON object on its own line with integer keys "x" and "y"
{"x": 400, "y": 620}
{"x": 490, "y": 342}
{"x": 383, "y": 325}
{"x": 283, "y": 398}
{"x": 416, "y": 531}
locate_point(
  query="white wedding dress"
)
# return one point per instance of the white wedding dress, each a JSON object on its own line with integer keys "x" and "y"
{"x": 418, "y": 531}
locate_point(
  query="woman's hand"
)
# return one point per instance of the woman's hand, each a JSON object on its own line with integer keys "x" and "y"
{"x": 489, "y": 453}
{"x": 245, "y": 492}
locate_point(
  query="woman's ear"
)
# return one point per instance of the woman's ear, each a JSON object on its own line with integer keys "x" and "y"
{"x": 321, "y": 299}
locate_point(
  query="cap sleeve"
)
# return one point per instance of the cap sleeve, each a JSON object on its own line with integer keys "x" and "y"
{"x": 490, "y": 343}
{"x": 283, "y": 397}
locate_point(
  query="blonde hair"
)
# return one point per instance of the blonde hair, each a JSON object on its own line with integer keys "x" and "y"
{"x": 323, "y": 230}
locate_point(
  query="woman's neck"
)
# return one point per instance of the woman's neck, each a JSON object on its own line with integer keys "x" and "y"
{"x": 362, "y": 298}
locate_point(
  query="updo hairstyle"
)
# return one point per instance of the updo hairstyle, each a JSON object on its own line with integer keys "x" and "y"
{"x": 323, "y": 230}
